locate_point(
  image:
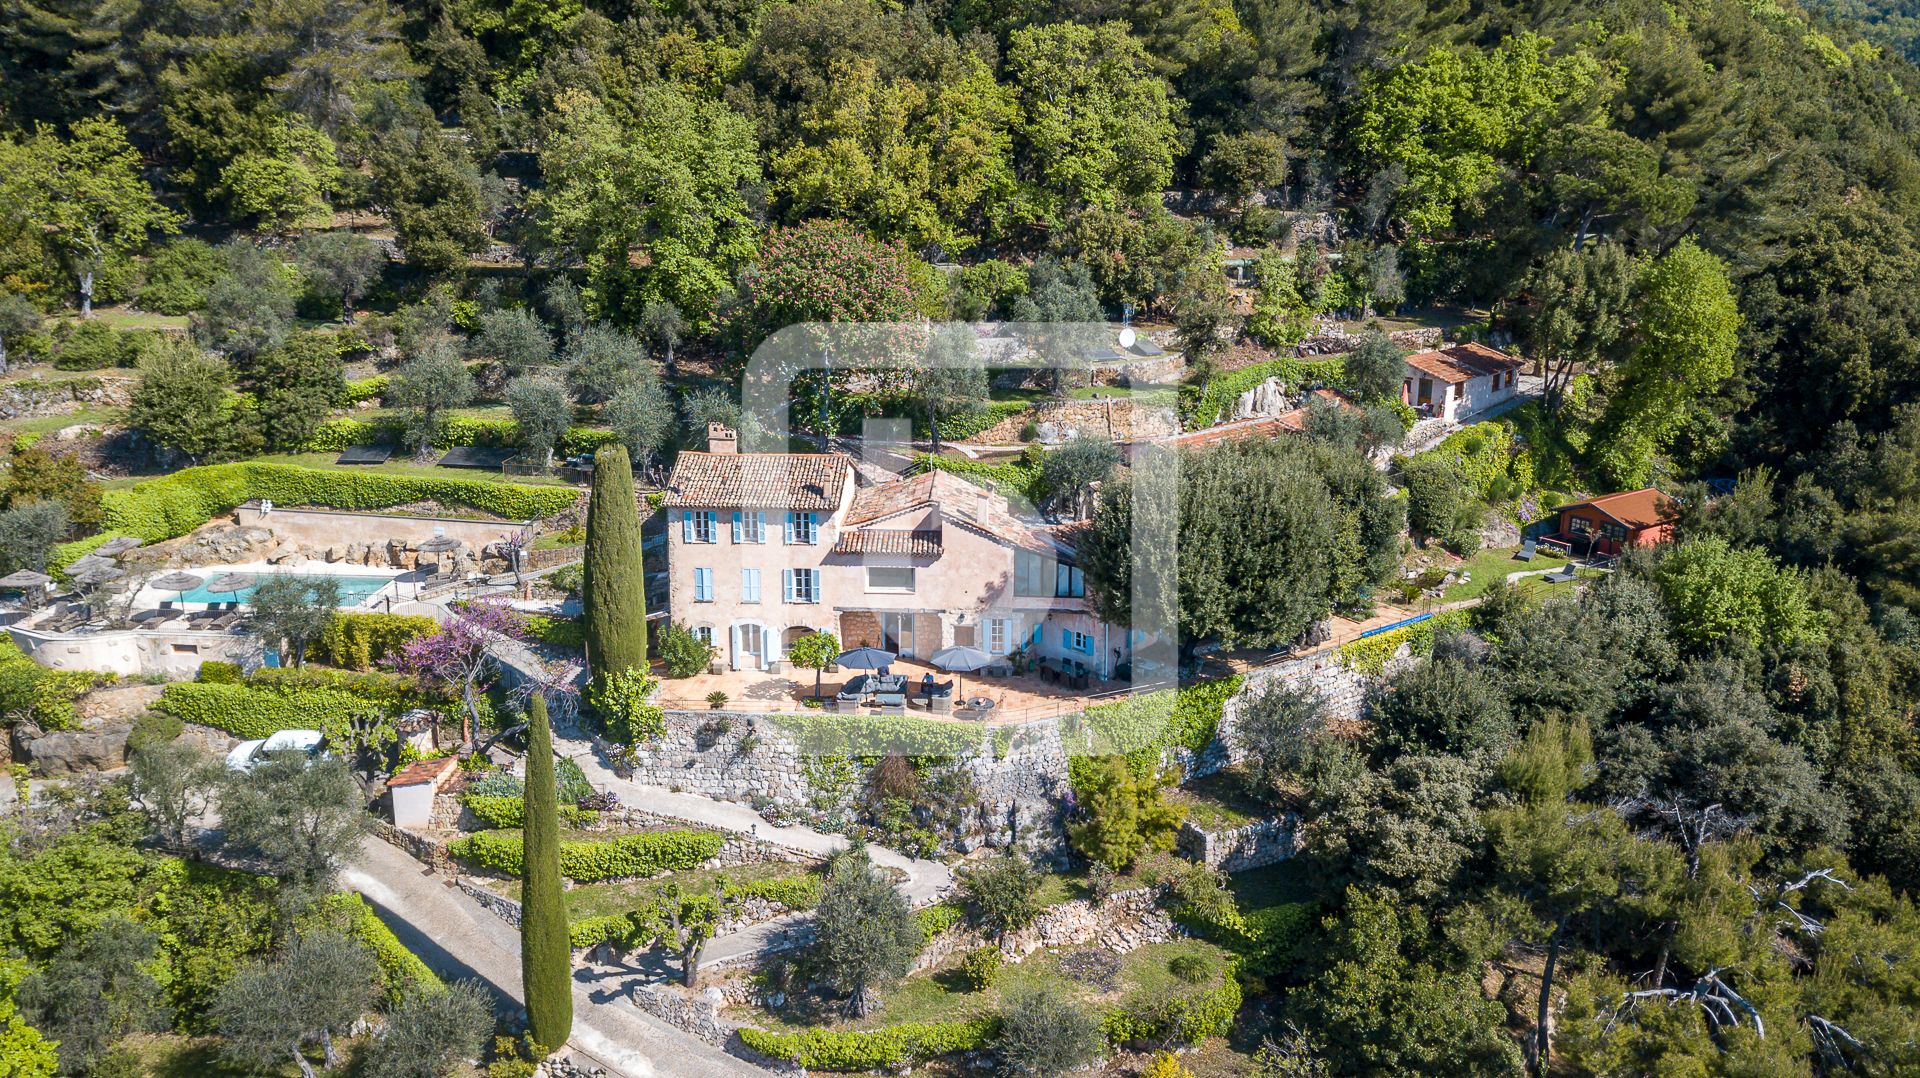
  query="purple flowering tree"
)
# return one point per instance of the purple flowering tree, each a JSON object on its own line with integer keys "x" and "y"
{"x": 458, "y": 659}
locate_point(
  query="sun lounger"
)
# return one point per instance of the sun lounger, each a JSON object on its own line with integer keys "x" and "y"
{"x": 1561, "y": 575}
{"x": 1527, "y": 549}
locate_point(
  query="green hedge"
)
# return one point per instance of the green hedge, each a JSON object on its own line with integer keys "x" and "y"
{"x": 871, "y": 1050}
{"x": 616, "y": 858}
{"x": 31, "y": 691}
{"x": 362, "y": 390}
{"x": 359, "y": 641}
{"x": 648, "y": 921}
{"x": 401, "y": 971}
{"x": 174, "y": 505}
{"x": 65, "y": 554}
{"x": 511, "y": 812}
{"x": 335, "y": 434}
{"x": 251, "y": 713}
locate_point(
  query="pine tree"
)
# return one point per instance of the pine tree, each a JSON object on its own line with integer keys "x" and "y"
{"x": 546, "y": 959}
{"x": 614, "y": 580}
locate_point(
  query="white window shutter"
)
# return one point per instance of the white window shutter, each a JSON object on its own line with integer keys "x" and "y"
{"x": 760, "y": 518}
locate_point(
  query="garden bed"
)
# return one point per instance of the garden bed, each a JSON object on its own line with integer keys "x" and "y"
{"x": 942, "y": 994}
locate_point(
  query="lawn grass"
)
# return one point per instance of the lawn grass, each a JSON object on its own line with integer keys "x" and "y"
{"x": 125, "y": 318}
{"x": 171, "y": 1055}
{"x": 1488, "y": 566}
{"x": 607, "y": 899}
{"x": 47, "y": 424}
{"x": 1218, "y": 802}
{"x": 941, "y": 995}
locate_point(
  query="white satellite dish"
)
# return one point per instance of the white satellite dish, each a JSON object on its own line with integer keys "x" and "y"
{"x": 1126, "y": 337}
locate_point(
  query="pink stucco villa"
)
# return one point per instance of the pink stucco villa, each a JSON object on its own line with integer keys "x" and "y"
{"x": 763, "y": 548}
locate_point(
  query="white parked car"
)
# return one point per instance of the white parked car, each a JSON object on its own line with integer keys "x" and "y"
{"x": 249, "y": 754}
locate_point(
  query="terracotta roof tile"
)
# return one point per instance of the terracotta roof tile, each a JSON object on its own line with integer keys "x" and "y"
{"x": 424, "y": 772}
{"x": 1643, "y": 508}
{"x": 898, "y": 541}
{"x": 1462, "y": 362}
{"x": 758, "y": 480}
{"x": 961, "y": 504}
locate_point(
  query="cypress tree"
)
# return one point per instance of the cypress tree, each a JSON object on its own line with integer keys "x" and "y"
{"x": 613, "y": 580}
{"x": 546, "y": 959}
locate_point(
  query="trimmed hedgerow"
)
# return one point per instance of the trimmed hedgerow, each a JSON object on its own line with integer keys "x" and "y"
{"x": 65, "y": 554}
{"x": 359, "y": 641}
{"x": 650, "y": 920}
{"x": 587, "y": 862}
{"x": 250, "y": 713}
{"x": 871, "y": 1049}
{"x": 511, "y": 812}
{"x": 175, "y": 504}
{"x": 401, "y": 971}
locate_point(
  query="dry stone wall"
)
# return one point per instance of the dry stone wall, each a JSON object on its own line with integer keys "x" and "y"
{"x": 1238, "y": 849}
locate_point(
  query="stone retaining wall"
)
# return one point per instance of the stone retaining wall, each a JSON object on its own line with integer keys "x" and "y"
{"x": 1238, "y": 849}
{"x": 1342, "y": 691}
{"x": 1125, "y": 922}
{"x": 497, "y": 904}
{"x": 1119, "y": 419}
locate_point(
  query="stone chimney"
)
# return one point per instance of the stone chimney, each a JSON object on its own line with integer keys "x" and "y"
{"x": 722, "y": 439}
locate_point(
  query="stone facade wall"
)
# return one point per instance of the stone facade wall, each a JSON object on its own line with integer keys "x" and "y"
{"x": 698, "y": 1015}
{"x": 1238, "y": 849}
{"x": 61, "y": 396}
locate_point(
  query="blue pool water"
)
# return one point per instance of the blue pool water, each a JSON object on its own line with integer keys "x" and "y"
{"x": 353, "y": 590}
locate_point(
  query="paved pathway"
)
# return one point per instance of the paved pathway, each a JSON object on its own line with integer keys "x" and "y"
{"x": 459, "y": 940}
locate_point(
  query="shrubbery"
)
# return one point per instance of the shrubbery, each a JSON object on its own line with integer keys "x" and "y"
{"x": 359, "y": 641}
{"x": 1145, "y": 728}
{"x": 175, "y": 504}
{"x": 31, "y": 691}
{"x": 981, "y": 966}
{"x": 511, "y": 812}
{"x": 250, "y": 713}
{"x": 683, "y": 653}
{"x": 1216, "y": 401}
{"x": 871, "y": 1050}
{"x": 401, "y": 971}
{"x": 1164, "y": 1019}
{"x": 611, "y": 859}
{"x": 340, "y": 432}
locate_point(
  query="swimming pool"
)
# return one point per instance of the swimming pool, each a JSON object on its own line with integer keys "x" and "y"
{"x": 354, "y": 590}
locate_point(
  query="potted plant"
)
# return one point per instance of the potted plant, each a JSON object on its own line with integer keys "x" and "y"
{"x": 716, "y": 700}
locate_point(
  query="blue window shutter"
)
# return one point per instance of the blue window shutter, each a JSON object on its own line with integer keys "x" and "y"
{"x": 686, "y": 525}
{"x": 736, "y": 526}
{"x": 762, "y": 519}
{"x": 786, "y": 585}
{"x": 789, "y": 529}
{"x": 813, "y": 528}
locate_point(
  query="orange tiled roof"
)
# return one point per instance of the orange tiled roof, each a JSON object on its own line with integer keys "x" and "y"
{"x": 1643, "y": 508}
{"x": 758, "y": 480}
{"x": 898, "y": 541}
{"x": 1463, "y": 362}
{"x": 960, "y": 503}
{"x": 424, "y": 772}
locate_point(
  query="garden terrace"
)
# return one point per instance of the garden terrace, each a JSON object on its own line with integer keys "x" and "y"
{"x": 1138, "y": 996}
{"x": 1022, "y": 698}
